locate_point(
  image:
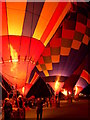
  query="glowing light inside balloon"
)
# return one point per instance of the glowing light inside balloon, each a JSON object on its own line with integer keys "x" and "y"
{"x": 76, "y": 90}
{"x": 13, "y": 53}
{"x": 14, "y": 58}
{"x": 58, "y": 78}
{"x": 64, "y": 92}
{"x": 57, "y": 85}
{"x": 23, "y": 89}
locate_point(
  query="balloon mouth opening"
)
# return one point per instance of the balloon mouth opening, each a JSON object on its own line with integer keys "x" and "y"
{"x": 17, "y": 60}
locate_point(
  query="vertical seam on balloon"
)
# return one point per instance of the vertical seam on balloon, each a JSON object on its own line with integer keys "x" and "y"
{"x": 22, "y": 29}
{"x": 29, "y": 44}
{"x": 7, "y": 29}
{"x": 38, "y": 19}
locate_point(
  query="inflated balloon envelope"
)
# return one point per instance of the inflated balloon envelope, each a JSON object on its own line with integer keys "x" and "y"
{"x": 27, "y": 27}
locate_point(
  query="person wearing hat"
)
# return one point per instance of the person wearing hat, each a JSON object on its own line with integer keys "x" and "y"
{"x": 21, "y": 108}
{"x": 7, "y": 109}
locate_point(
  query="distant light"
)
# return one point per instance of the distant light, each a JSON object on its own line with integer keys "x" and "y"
{"x": 80, "y": 94}
{"x": 69, "y": 92}
{"x": 64, "y": 92}
{"x": 84, "y": 95}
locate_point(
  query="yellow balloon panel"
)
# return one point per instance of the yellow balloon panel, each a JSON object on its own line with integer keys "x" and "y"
{"x": 15, "y": 17}
{"x": 45, "y": 16}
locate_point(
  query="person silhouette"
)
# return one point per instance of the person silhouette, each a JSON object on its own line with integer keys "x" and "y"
{"x": 7, "y": 109}
{"x": 21, "y": 109}
{"x": 39, "y": 108}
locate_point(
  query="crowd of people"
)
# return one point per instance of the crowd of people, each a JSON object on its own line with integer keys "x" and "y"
{"x": 14, "y": 108}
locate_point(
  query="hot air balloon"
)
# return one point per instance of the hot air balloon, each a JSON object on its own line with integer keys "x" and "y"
{"x": 27, "y": 27}
{"x": 83, "y": 81}
{"x": 67, "y": 48}
{"x": 46, "y": 39}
